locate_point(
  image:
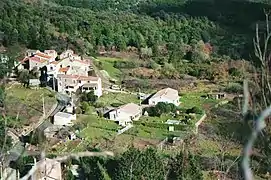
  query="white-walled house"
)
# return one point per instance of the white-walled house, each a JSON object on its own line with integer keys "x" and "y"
{"x": 48, "y": 169}
{"x": 126, "y": 114}
{"x": 71, "y": 83}
{"x": 31, "y": 52}
{"x": 64, "y": 119}
{"x": 51, "y": 53}
{"x": 66, "y": 54}
{"x": 45, "y": 57}
{"x": 167, "y": 95}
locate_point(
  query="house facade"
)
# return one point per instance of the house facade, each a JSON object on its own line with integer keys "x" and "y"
{"x": 64, "y": 119}
{"x": 8, "y": 173}
{"x": 126, "y": 114}
{"x": 71, "y": 83}
{"x": 66, "y": 54}
{"x": 48, "y": 169}
{"x": 167, "y": 95}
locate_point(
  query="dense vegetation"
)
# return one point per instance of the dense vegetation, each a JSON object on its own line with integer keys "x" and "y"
{"x": 136, "y": 164}
{"x": 159, "y": 25}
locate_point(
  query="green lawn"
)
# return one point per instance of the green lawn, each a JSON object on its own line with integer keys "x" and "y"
{"x": 117, "y": 98}
{"x": 161, "y": 119}
{"x": 107, "y": 64}
{"x": 97, "y": 128}
{"x": 31, "y": 97}
{"x": 27, "y": 103}
{"x": 190, "y": 100}
{"x": 151, "y": 133}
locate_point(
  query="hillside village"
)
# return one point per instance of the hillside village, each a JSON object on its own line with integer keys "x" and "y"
{"x": 72, "y": 77}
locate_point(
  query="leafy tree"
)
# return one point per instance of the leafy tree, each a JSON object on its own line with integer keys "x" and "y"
{"x": 184, "y": 166}
{"x": 2, "y": 96}
{"x": 195, "y": 110}
{"x": 6, "y": 141}
{"x": 161, "y": 108}
{"x": 23, "y": 164}
{"x": 24, "y": 77}
{"x": 84, "y": 106}
{"x": 89, "y": 97}
{"x": 135, "y": 164}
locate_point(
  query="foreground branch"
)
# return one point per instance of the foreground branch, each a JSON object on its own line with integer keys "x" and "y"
{"x": 69, "y": 156}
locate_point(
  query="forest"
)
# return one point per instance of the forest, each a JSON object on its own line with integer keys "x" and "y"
{"x": 227, "y": 25}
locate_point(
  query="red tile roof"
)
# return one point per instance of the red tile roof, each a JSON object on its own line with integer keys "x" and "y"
{"x": 24, "y": 59}
{"x": 55, "y": 62}
{"x": 65, "y": 69}
{"x": 36, "y": 59}
{"x": 43, "y": 55}
{"x": 83, "y": 78}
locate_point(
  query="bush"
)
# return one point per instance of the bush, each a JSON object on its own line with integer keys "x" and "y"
{"x": 195, "y": 110}
{"x": 78, "y": 110}
{"x": 99, "y": 105}
{"x": 116, "y": 104}
{"x": 152, "y": 65}
{"x": 161, "y": 108}
{"x": 179, "y": 127}
{"x": 84, "y": 107}
{"x": 125, "y": 64}
{"x": 234, "y": 88}
{"x": 89, "y": 97}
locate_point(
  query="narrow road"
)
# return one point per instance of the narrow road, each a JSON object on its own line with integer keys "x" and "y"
{"x": 62, "y": 101}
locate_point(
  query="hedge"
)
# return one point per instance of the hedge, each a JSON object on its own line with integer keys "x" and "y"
{"x": 178, "y": 127}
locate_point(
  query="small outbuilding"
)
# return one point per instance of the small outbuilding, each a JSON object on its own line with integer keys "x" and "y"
{"x": 64, "y": 119}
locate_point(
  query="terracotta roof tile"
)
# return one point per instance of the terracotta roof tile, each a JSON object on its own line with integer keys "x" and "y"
{"x": 37, "y": 59}
{"x": 65, "y": 69}
{"x": 43, "y": 55}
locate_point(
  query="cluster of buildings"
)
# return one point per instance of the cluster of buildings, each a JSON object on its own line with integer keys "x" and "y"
{"x": 68, "y": 71}
{"x": 127, "y": 113}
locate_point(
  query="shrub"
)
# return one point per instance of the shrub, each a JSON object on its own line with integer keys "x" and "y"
{"x": 234, "y": 88}
{"x": 89, "y": 97}
{"x": 195, "y": 110}
{"x": 78, "y": 110}
{"x": 179, "y": 127}
{"x": 125, "y": 64}
{"x": 152, "y": 65}
{"x": 161, "y": 108}
{"x": 84, "y": 107}
{"x": 116, "y": 104}
{"x": 99, "y": 104}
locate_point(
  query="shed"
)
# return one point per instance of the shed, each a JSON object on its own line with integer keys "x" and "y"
{"x": 64, "y": 119}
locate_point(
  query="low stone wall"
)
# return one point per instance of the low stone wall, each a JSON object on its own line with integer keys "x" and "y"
{"x": 199, "y": 122}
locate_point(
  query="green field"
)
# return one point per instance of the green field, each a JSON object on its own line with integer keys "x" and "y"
{"x": 189, "y": 100}
{"x": 117, "y": 98}
{"x": 107, "y": 64}
{"x": 26, "y": 104}
{"x": 31, "y": 97}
